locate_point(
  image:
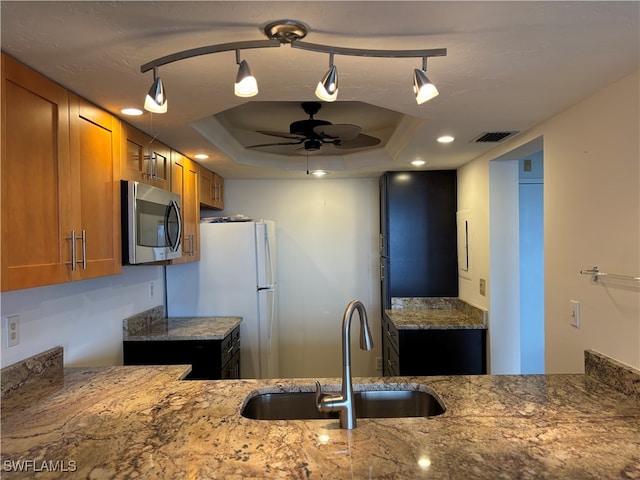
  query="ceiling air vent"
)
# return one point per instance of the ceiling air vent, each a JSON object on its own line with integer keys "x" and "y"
{"x": 493, "y": 137}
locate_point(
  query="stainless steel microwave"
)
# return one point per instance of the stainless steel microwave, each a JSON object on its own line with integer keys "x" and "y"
{"x": 151, "y": 226}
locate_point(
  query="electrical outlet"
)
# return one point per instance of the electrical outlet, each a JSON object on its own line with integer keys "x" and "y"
{"x": 574, "y": 313}
{"x": 151, "y": 289}
{"x": 378, "y": 363}
{"x": 483, "y": 287}
{"x": 13, "y": 330}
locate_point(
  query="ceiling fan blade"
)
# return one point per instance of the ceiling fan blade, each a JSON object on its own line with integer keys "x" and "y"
{"x": 298, "y": 142}
{"x": 360, "y": 141}
{"x": 292, "y": 136}
{"x": 343, "y": 131}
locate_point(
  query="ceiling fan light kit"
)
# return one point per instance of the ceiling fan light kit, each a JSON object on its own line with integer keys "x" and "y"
{"x": 289, "y": 32}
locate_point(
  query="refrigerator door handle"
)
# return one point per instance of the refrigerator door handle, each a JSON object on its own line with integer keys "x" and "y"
{"x": 267, "y": 246}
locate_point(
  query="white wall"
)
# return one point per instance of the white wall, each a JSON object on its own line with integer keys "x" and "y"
{"x": 591, "y": 217}
{"x": 327, "y": 256}
{"x": 85, "y": 317}
{"x": 504, "y": 303}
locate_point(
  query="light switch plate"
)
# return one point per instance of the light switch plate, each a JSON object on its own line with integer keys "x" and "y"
{"x": 574, "y": 313}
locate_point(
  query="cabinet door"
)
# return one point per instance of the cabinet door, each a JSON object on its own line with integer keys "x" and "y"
{"x": 143, "y": 159}
{"x": 35, "y": 172}
{"x": 95, "y": 189}
{"x": 218, "y": 192}
{"x": 211, "y": 189}
{"x": 421, "y": 234}
{"x": 206, "y": 187}
{"x": 184, "y": 181}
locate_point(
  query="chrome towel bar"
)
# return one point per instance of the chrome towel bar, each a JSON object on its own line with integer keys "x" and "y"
{"x": 596, "y": 273}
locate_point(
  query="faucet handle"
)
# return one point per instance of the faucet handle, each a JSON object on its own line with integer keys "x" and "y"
{"x": 319, "y": 396}
{"x": 321, "y": 404}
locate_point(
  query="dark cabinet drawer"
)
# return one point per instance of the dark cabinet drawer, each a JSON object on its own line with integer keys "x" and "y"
{"x": 391, "y": 360}
{"x": 230, "y": 346}
{"x": 390, "y": 333}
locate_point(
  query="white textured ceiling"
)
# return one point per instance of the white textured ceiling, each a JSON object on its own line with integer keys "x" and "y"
{"x": 509, "y": 66}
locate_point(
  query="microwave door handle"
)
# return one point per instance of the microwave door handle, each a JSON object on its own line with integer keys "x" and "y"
{"x": 173, "y": 206}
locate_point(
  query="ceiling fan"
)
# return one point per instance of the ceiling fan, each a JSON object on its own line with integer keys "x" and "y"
{"x": 312, "y": 133}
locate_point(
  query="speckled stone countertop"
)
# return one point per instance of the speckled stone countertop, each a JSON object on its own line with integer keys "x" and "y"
{"x": 152, "y": 325}
{"x": 142, "y": 422}
{"x": 435, "y": 313}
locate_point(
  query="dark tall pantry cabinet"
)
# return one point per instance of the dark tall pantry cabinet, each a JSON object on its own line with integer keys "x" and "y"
{"x": 418, "y": 235}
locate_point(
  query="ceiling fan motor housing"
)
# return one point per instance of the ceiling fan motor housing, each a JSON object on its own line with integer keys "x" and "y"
{"x": 305, "y": 127}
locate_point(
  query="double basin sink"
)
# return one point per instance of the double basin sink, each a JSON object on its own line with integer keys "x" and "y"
{"x": 387, "y": 403}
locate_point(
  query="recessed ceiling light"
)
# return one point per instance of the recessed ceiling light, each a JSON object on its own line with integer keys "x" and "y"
{"x": 201, "y": 156}
{"x": 131, "y": 111}
{"x": 446, "y": 139}
{"x": 418, "y": 163}
{"x": 319, "y": 173}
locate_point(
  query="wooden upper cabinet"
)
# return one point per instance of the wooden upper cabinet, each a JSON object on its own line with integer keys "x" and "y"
{"x": 58, "y": 179}
{"x": 95, "y": 165}
{"x": 144, "y": 159}
{"x": 184, "y": 181}
{"x": 35, "y": 174}
{"x": 211, "y": 189}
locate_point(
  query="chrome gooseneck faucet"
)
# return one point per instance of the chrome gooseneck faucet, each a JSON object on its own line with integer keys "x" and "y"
{"x": 344, "y": 402}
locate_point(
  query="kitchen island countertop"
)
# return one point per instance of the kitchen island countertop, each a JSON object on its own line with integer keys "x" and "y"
{"x": 143, "y": 422}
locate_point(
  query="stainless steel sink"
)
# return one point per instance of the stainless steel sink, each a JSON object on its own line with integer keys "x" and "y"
{"x": 368, "y": 404}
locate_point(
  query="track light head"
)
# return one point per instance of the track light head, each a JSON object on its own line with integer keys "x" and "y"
{"x": 423, "y": 88}
{"x": 156, "y": 100}
{"x": 246, "y": 84}
{"x": 327, "y": 88}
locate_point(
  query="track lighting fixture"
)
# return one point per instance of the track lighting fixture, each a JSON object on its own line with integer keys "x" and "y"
{"x": 422, "y": 86}
{"x": 246, "y": 84}
{"x": 327, "y": 88}
{"x": 156, "y": 100}
{"x": 290, "y": 32}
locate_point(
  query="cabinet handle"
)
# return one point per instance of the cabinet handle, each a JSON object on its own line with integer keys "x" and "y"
{"x": 84, "y": 250}
{"x": 391, "y": 364}
{"x": 155, "y": 167}
{"x": 148, "y": 157}
{"x": 73, "y": 250}
{"x": 192, "y": 245}
{"x": 390, "y": 334}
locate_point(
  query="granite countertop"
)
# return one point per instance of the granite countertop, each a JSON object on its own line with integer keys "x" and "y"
{"x": 438, "y": 313}
{"x": 142, "y": 422}
{"x": 433, "y": 319}
{"x": 180, "y": 328}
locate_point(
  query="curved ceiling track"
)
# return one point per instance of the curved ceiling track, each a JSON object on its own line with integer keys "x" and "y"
{"x": 290, "y": 32}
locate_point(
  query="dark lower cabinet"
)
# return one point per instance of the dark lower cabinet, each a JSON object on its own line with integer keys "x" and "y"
{"x": 432, "y": 351}
{"x": 209, "y": 359}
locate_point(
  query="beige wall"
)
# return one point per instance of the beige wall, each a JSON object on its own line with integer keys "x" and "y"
{"x": 592, "y": 217}
{"x": 327, "y": 246}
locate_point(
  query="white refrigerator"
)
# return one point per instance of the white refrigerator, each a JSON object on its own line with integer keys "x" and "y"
{"x": 236, "y": 276}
